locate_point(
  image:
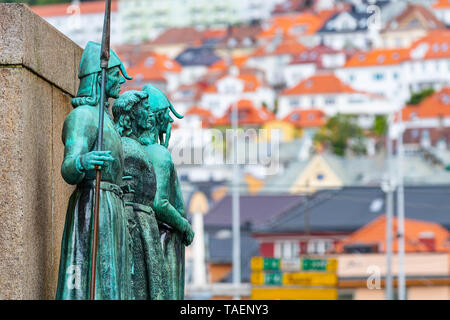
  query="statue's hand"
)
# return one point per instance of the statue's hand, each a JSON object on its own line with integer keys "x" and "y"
{"x": 89, "y": 160}
{"x": 188, "y": 234}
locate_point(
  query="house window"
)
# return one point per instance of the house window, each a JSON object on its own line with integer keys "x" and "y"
{"x": 287, "y": 249}
{"x": 329, "y": 100}
{"x": 378, "y": 76}
{"x": 319, "y": 246}
{"x": 293, "y": 102}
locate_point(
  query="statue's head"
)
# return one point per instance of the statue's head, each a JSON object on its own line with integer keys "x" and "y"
{"x": 90, "y": 76}
{"x": 160, "y": 107}
{"x": 132, "y": 115}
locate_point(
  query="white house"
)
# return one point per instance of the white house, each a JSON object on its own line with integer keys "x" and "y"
{"x": 397, "y": 73}
{"x": 379, "y": 71}
{"x": 326, "y": 92}
{"x": 234, "y": 87}
{"x": 306, "y": 63}
{"x": 81, "y": 21}
{"x": 273, "y": 57}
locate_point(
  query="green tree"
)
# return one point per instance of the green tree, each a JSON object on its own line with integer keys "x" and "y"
{"x": 417, "y": 97}
{"x": 380, "y": 125}
{"x": 342, "y": 133}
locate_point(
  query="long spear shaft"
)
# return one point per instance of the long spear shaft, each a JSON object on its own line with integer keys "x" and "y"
{"x": 104, "y": 59}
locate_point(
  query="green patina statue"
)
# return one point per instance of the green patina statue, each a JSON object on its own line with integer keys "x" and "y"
{"x": 152, "y": 188}
{"x": 175, "y": 230}
{"x": 150, "y": 279}
{"x": 79, "y": 138}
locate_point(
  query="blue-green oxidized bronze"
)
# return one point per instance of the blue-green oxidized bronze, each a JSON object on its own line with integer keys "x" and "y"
{"x": 79, "y": 138}
{"x": 143, "y": 118}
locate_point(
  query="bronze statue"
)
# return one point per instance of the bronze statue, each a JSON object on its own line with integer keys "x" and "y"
{"x": 150, "y": 279}
{"x": 143, "y": 118}
{"x": 175, "y": 230}
{"x": 80, "y": 138}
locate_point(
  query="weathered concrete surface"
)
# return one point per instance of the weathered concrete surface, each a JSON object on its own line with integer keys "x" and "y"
{"x": 38, "y": 68}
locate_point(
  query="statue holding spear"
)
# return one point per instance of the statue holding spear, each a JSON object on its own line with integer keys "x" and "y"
{"x": 93, "y": 160}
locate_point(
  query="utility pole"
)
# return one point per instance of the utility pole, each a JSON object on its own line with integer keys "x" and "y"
{"x": 236, "y": 225}
{"x": 400, "y": 213}
{"x": 236, "y": 206}
{"x": 388, "y": 189}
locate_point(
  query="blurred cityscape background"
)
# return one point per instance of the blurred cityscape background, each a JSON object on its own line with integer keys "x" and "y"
{"x": 354, "y": 200}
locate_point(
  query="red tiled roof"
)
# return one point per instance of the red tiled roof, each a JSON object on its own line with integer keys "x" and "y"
{"x": 60, "y": 9}
{"x": 434, "y": 106}
{"x": 378, "y": 57}
{"x": 436, "y": 44}
{"x": 293, "y": 24}
{"x": 251, "y": 83}
{"x": 248, "y": 114}
{"x": 318, "y": 84}
{"x": 153, "y": 66}
{"x": 375, "y": 233}
{"x": 206, "y": 116}
{"x": 441, "y": 4}
{"x": 306, "y": 118}
{"x": 178, "y": 35}
{"x": 426, "y": 17}
{"x": 223, "y": 64}
{"x": 288, "y": 46}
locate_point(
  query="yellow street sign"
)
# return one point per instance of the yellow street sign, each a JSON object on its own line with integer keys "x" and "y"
{"x": 283, "y": 293}
{"x": 294, "y": 278}
{"x": 310, "y": 279}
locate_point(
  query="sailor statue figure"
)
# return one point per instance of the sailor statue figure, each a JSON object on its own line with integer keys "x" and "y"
{"x": 78, "y": 168}
{"x": 154, "y": 202}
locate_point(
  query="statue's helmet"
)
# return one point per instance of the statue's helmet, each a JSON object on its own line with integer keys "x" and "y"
{"x": 158, "y": 100}
{"x": 90, "y": 61}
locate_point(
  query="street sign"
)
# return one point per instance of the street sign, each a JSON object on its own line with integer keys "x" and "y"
{"x": 284, "y": 293}
{"x": 298, "y": 264}
{"x": 295, "y": 278}
{"x": 260, "y": 263}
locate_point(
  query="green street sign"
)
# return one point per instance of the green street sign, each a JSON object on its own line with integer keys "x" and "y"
{"x": 293, "y": 265}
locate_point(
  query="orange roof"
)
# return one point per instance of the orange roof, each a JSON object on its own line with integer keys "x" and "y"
{"x": 436, "y": 44}
{"x": 223, "y": 64}
{"x": 318, "y": 84}
{"x": 206, "y": 116}
{"x": 154, "y": 66}
{"x": 60, "y": 9}
{"x": 434, "y": 106}
{"x": 441, "y": 4}
{"x": 289, "y": 45}
{"x": 378, "y": 57}
{"x": 293, "y": 24}
{"x": 414, "y": 13}
{"x": 248, "y": 114}
{"x": 375, "y": 233}
{"x": 251, "y": 83}
{"x": 306, "y": 118}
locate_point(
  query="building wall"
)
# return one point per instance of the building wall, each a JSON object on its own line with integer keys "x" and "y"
{"x": 38, "y": 68}
{"x": 429, "y": 293}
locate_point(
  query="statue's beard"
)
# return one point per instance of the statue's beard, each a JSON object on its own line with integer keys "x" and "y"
{"x": 146, "y": 137}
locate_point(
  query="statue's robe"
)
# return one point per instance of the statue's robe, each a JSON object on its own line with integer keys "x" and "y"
{"x": 150, "y": 279}
{"x": 168, "y": 188}
{"x": 113, "y": 277}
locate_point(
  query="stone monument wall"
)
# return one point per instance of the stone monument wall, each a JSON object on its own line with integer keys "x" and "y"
{"x": 38, "y": 68}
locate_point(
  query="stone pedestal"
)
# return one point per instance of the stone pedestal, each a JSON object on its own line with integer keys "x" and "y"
{"x": 38, "y": 68}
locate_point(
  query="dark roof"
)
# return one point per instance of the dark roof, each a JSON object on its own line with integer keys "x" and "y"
{"x": 221, "y": 251}
{"x": 254, "y": 209}
{"x": 359, "y": 13}
{"x": 350, "y": 208}
{"x": 199, "y": 56}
